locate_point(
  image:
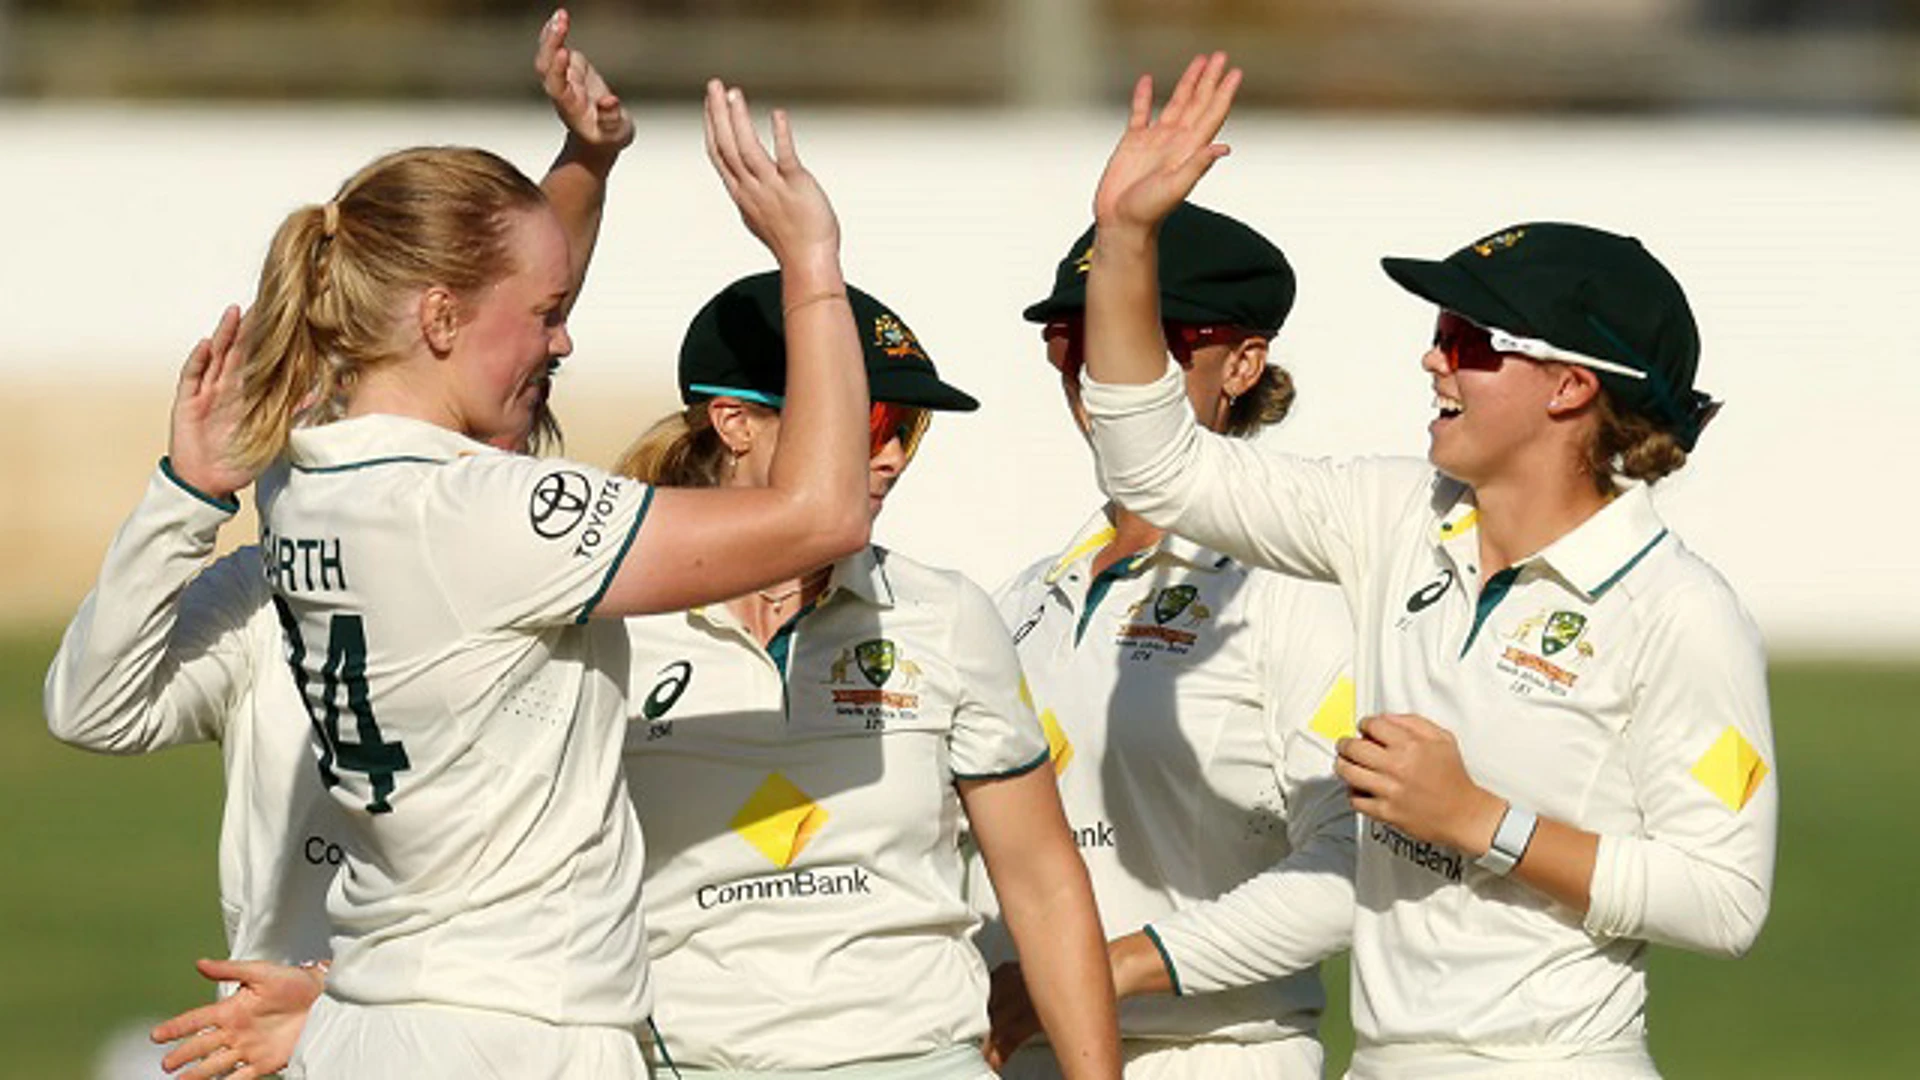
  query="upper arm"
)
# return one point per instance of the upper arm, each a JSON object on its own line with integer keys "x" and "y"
{"x": 1310, "y": 703}
{"x": 995, "y": 732}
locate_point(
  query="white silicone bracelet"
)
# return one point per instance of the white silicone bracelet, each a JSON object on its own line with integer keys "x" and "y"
{"x": 1510, "y": 841}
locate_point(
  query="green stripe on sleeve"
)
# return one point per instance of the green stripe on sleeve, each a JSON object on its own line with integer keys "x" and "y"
{"x": 1018, "y": 770}
{"x": 619, "y": 558}
{"x": 230, "y": 504}
{"x": 1173, "y": 973}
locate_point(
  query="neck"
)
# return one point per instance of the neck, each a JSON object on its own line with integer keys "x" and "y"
{"x": 765, "y": 611}
{"x": 399, "y": 389}
{"x": 1131, "y": 534}
{"x": 1517, "y": 520}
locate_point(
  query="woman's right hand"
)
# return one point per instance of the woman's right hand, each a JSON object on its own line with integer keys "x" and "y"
{"x": 778, "y": 198}
{"x": 1160, "y": 158}
{"x": 206, "y": 411}
{"x": 249, "y": 1033}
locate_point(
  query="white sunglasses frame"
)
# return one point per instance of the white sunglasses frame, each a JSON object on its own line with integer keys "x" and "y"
{"x": 1536, "y": 349}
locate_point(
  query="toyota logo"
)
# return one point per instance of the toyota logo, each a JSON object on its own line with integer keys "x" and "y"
{"x": 558, "y": 503}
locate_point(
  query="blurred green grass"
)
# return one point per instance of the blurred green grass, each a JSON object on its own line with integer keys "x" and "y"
{"x": 108, "y": 892}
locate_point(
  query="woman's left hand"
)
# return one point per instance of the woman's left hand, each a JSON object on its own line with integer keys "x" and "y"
{"x": 206, "y": 411}
{"x": 1406, "y": 771}
{"x": 591, "y": 110}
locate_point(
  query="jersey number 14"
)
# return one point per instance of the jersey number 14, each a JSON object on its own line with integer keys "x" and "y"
{"x": 345, "y": 669}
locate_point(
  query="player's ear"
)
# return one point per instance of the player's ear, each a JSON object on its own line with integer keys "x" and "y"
{"x": 729, "y": 417}
{"x": 1574, "y": 390}
{"x": 1245, "y": 364}
{"x": 438, "y": 314}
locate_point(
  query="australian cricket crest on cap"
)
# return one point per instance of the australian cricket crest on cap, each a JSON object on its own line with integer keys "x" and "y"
{"x": 1084, "y": 264}
{"x": 892, "y": 337}
{"x": 1499, "y": 241}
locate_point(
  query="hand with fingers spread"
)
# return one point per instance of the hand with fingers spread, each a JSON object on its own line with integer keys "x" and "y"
{"x": 1407, "y": 772}
{"x": 778, "y": 198}
{"x": 206, "y": 411}
{"x": 1161, "y": 158}
{"x": 1011, "y": 1015}
{"x": 251, "y": 1032}
{"x": 593, "y": 113}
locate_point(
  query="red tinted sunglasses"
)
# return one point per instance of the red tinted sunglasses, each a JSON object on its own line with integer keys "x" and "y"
{"x": 1464, "y": 344}
{"x": 887, "y": 422}
{"x": 1182, "y": 339}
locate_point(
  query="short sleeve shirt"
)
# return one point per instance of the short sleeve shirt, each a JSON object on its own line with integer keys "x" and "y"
{"x": 434, "y": 593}
{"x": 804, "y": 900}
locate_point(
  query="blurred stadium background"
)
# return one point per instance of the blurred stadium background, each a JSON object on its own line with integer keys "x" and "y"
{"x": 1769, "y": 150}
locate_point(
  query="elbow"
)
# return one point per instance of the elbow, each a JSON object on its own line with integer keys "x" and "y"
{"x": 1738, "y": 926}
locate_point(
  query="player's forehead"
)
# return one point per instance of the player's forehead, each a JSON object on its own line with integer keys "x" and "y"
{"x": 539, "y": 260}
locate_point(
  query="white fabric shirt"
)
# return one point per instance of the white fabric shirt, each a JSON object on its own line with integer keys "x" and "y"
{"x": 1611, "y": 681}
{"x": 1191, "y": 704}
{"x": 435, "y": 594}
{"x": 804, "y": 903}
{"x": 165, "y": 653}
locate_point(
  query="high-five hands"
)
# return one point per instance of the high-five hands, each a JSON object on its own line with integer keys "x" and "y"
{"x": 779, "y": 200}
{"x": 590, "y": 109}
{"x": 1161, "y": 158}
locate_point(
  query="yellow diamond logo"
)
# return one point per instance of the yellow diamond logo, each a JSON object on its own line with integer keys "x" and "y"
{"x": 1731, "y": 768}
{"x": 1058, "y": 746}
{"x": 779, "y": 820}
{"x": 1333, "y": 720}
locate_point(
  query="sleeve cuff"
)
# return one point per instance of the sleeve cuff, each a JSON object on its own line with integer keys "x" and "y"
{"x": 230, "y": 504}
{"x": 1022, "y": 769}
{"x": 619, "y": 558}
{"x": 1173, "y": 973}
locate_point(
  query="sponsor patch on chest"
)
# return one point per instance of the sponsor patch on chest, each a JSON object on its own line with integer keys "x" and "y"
{"x": 873, "y": 682}
{"x": 1168, "y": 622}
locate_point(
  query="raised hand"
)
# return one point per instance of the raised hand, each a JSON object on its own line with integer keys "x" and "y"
{"x": 779, "y": 200}
{"x": 249, "y": 1033}
{"x": 580, "y": 96}
{"x": 206, "y": 412}
{"x": 1161, "y": 158}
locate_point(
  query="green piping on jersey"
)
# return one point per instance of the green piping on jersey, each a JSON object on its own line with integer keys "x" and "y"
{"x": 1490, "y": 597}
{"x": 403, "y": 459}
{"x": 1102, "y": 582}
{"x": 1007, "y": 774}
{"x": 660, "y": 1043}
{"x": 619, "y": 557}
{"x": 1173, "y": 974}
{"x": 230, "y": 504}
{"x": 1631, "y": 563}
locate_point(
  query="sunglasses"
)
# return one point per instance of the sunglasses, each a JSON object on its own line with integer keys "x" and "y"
{"x": 1182, "y": 340}
{"x": 886, "y": 421}
{"x": 1467, "y": 344}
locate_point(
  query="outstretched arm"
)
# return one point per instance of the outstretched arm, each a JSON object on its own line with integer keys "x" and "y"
{"x": 598, "y": 129}
{"x": 703, "y": 545}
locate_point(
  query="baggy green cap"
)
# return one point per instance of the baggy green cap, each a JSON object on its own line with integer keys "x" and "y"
{"x": 736, "y": 346}
{"x": 1214, "y": 271}
{"x": 1582, "y": 290}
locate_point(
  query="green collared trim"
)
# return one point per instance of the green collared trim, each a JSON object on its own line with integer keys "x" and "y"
{"x": 1173, "y": 973}
{"x": 230, "y": 504}
{"x": 1631, "y": 563}
{"x": 1007, "y": 774}
{"x": 780, "y": 645}
{"x": 399, "y": 459}
{"x": 1490, "y": 597}
{"x": 619, "y": 557}
{"x": 1102, "y": 582}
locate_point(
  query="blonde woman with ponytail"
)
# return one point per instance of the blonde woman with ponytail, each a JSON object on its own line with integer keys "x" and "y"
{"x": 447, "y": 605}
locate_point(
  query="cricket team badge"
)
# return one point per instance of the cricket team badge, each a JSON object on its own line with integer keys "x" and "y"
{"x": 860, "y": 675}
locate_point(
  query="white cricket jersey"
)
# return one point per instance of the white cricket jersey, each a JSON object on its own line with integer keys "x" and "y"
{"x": 435, "y": 593}
{"x": 1610, "y": 681}
{"x": 804, "y": 893}
{"x": 160, "y": 656}
{"x": 1191, "y": 705}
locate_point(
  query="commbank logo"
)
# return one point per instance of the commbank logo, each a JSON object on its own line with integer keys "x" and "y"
{"x": 779, "y": 820}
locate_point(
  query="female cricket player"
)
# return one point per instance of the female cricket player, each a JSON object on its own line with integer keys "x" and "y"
{"x": 436, "y": 592}
{"x": 1566, "y": 751}
{"x": 802, "y": 755}
{"x": 1192, "y": 703}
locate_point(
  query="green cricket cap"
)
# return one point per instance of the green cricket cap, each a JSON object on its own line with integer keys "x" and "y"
{"x": 736, "y": 346}
{"x": 1581, "y": 290}
{"x": 1214, "y": 271}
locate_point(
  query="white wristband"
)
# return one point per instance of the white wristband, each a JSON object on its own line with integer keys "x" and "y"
{"x": 1510, "y": 841}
